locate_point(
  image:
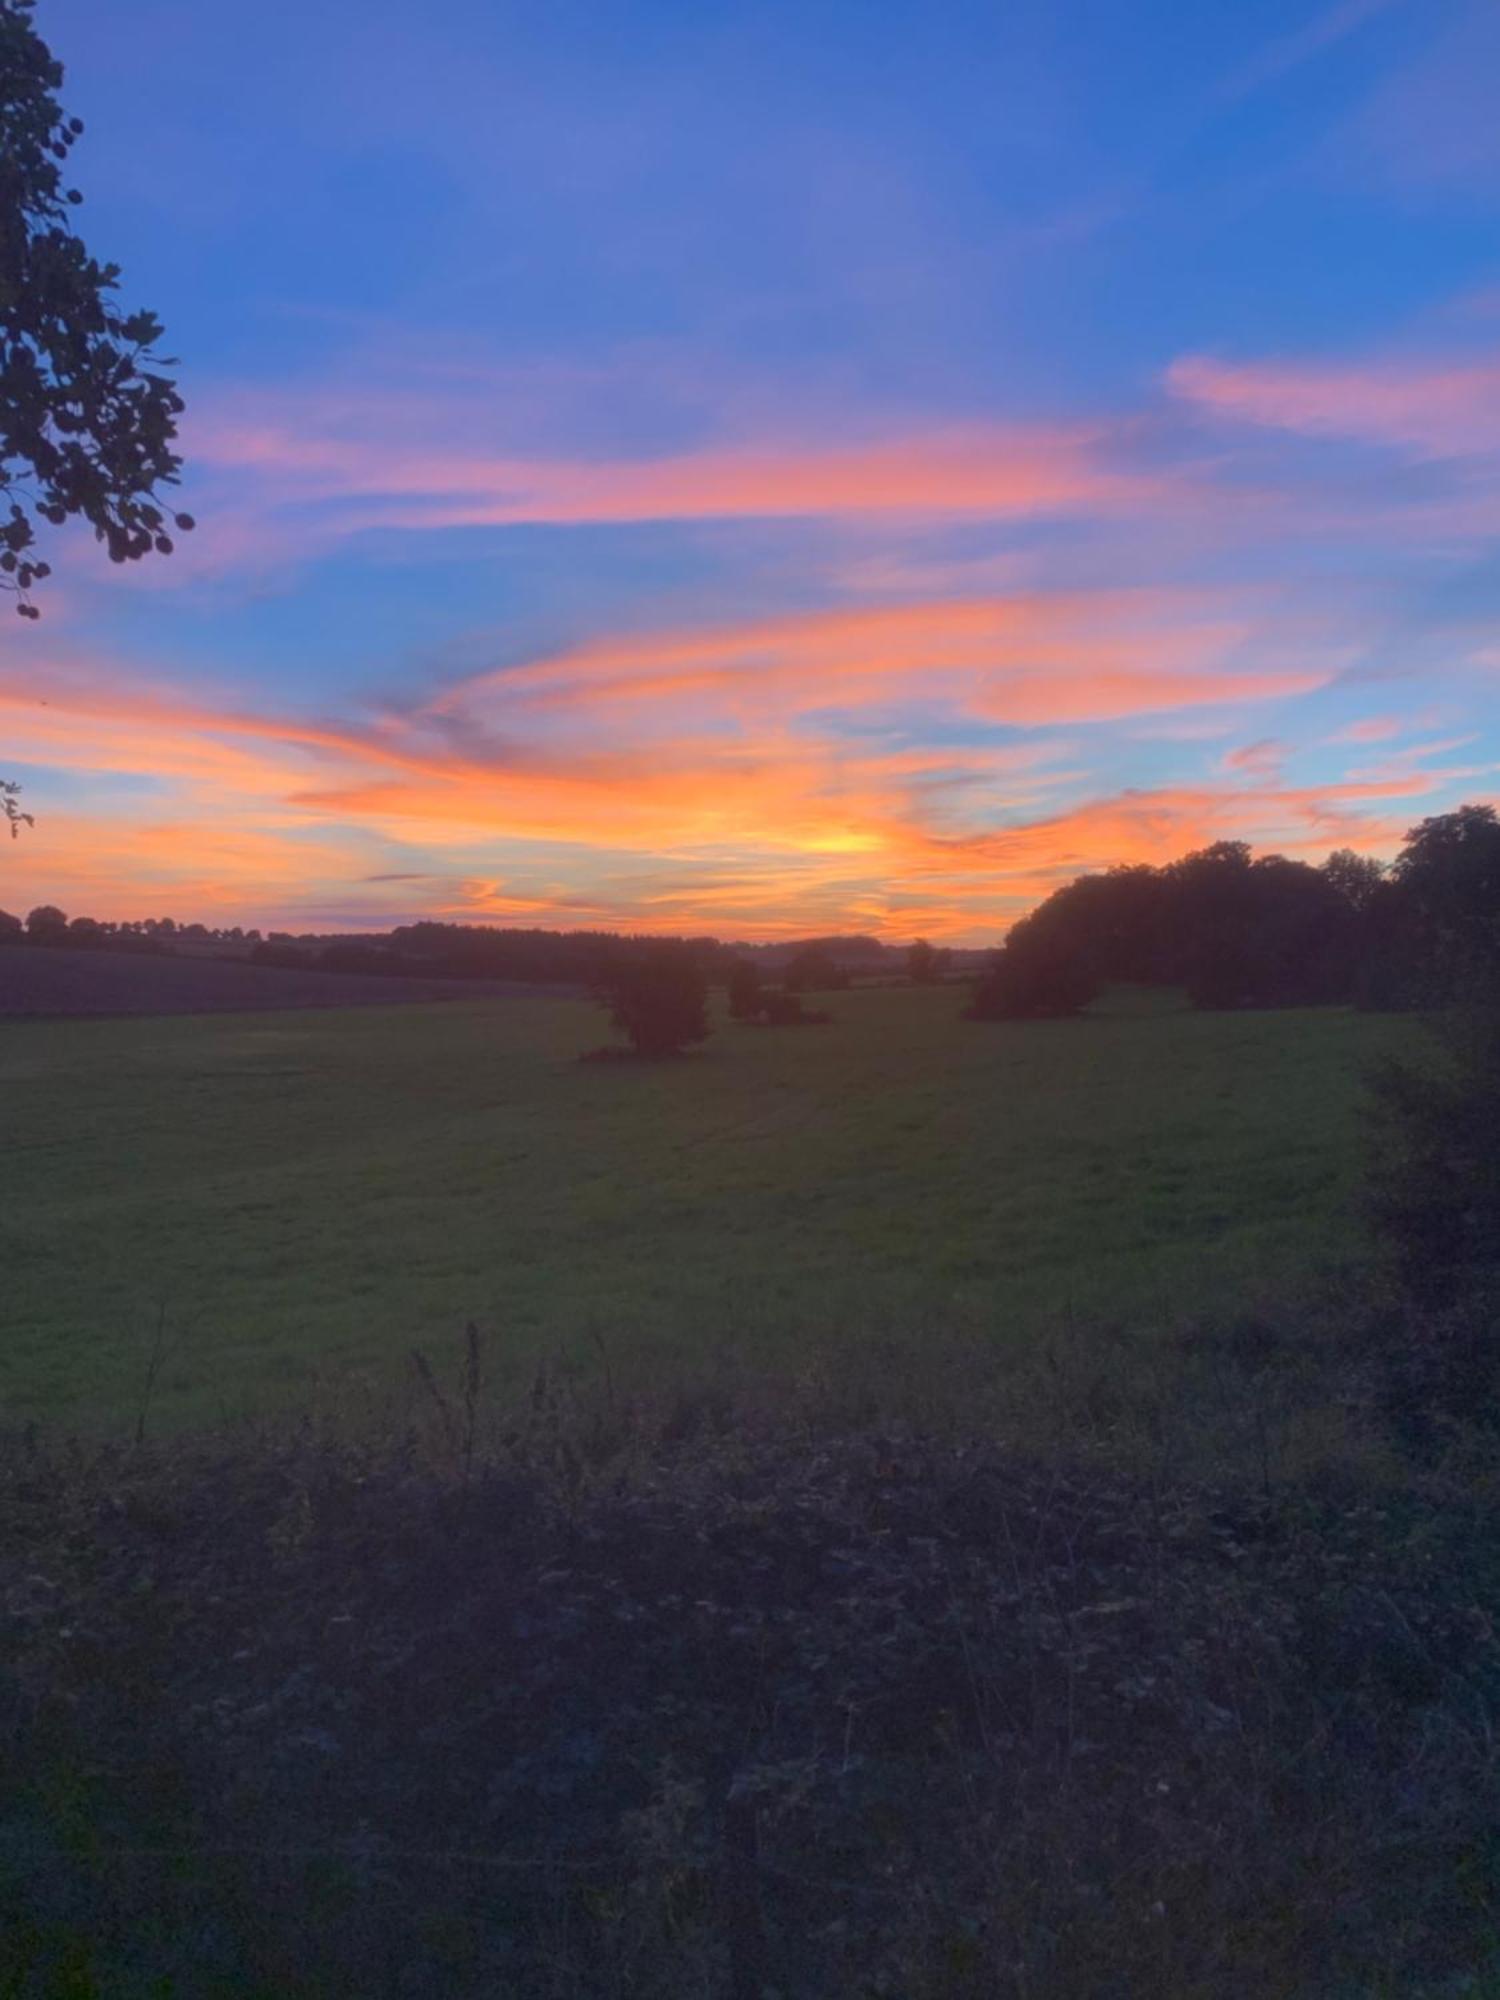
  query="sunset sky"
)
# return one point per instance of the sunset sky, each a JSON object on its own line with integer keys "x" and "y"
{"x": 793, "y": 466}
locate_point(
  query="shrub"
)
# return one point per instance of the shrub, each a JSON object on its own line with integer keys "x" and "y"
{"x": 1434, "y": 1192}
{"x": 786, "y": 1010}
{"x": 1031, "y": 985}
{"x": 657, "y": 996}
{"x": 744, "y": 990}
{"x": 925, "y": 964}
{"x": 1433, "y": 1200}
{"x": 722, "y": 1706}
{"x": 814, "y": 970}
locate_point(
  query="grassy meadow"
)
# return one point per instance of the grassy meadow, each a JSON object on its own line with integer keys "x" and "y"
{"x": 256, "y": 1209}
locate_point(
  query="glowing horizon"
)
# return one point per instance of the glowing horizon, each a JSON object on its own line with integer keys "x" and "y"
{"x": 686, "y": 482}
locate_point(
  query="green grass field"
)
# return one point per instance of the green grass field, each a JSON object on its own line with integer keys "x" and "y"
{"x": 280, "y": 1202}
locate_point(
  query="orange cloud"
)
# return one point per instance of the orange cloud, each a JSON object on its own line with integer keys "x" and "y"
{"x": 1030, "y": 660}
{"x": 738, "y": 808}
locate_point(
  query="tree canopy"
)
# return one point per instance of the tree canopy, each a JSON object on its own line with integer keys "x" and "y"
{"x": 657, "y": 995}
{"x": 1237, "y": 931}
{"x": 87, "y": 417}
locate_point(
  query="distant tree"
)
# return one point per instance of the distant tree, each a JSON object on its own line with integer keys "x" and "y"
{"x": 85, "y": 931}
{"x": 744, "y": 990}
{"x": 46, "y": 924}
{"x": 87, "y": 420}
{"x": 925, "y": 964}
{"x": 657, "y": 995}
{"x": 787, "y": 1010}
{"x": 814, "y": 969}
{"x": 12, "y": 930}
{"x": 14, "y": 818}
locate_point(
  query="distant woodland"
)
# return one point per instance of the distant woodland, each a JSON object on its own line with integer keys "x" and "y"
{"x": 1230, "y": 928}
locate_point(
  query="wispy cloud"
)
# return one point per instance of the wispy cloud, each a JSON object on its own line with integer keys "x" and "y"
{"x": 1427, "y": 408}
{"x": 1324, "y": 30}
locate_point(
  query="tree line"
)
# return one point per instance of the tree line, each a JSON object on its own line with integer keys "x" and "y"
{"x": 430, "y": 949}
{"x": 1234, "y": 930}
{"x": 50, "y": 927}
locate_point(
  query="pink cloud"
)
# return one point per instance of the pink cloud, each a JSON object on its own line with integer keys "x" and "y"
{"x": 1033, "y": 660}
{"x": 1371, "y": 729}
{"x": 1259, "y": 760}
{"x": 383, "y": 481}
{"x": 1433, "y": 409}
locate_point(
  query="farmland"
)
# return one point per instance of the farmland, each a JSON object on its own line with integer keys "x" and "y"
{"x": 257, "y": 1209}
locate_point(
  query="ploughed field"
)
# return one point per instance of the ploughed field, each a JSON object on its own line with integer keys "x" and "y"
{"x": 227, "y": 1212}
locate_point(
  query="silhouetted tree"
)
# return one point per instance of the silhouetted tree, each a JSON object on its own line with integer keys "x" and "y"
{"x": 814, "y": 969}
{"x": 1448, "y": 879}
{"x": 87, "y": 420}
{"x": 1355, "y": 877}
{"x": 787, "y": 1010}
{"x": 657, "y": 995}
{"x": 1233, "y": 930}
{"x": 46, "y": 924}
{"x": 744, "y": 990}
{"x": 924, "y": 963}
{"x": 12, "y": 930}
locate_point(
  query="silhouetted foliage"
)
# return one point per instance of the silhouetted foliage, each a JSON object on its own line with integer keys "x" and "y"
{"x": 657, "y": 996}
{"x": 10, "y": 810}
{"x": 691, "y": 1699}
{"x": 744, "y": 990}
{"x": 1235, "y": 931}
{"x": 12, "y": 930}
{"x": 925, "y": 964}
{"x": 87, "y": 420}
{"x": 1356, "y": 877}
{"x": 1433, "y": 1202}
{"x": 1448, "y": 880}
{"x": 47, "y": 925}
{"x": 1033, "y": 979}
{"x": 814, "y": 969}
{"x": 1434, "y": 1197}
{"x": 787, "y": 1010}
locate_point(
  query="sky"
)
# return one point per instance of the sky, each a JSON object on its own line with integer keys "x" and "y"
{"x": 768, "y": 469}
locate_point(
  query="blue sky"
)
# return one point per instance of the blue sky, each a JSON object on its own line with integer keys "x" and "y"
{"x": 776, "y": 468}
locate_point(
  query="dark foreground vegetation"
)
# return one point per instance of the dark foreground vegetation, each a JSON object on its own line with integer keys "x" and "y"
{"x": 727, "y": 1698}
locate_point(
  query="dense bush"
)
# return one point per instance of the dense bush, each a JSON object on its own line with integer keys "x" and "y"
{"x": 1032, "y": 980}
{"x": 789, "y": 1010}
{"x": 926, "y": 965}
{"x": 1435, "y": 1183}
{"x": 814, "y": 970}
{"x": 744, "y": 990}
{"x": 657, "y": 997}
{"x": 708, "y": 1703}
